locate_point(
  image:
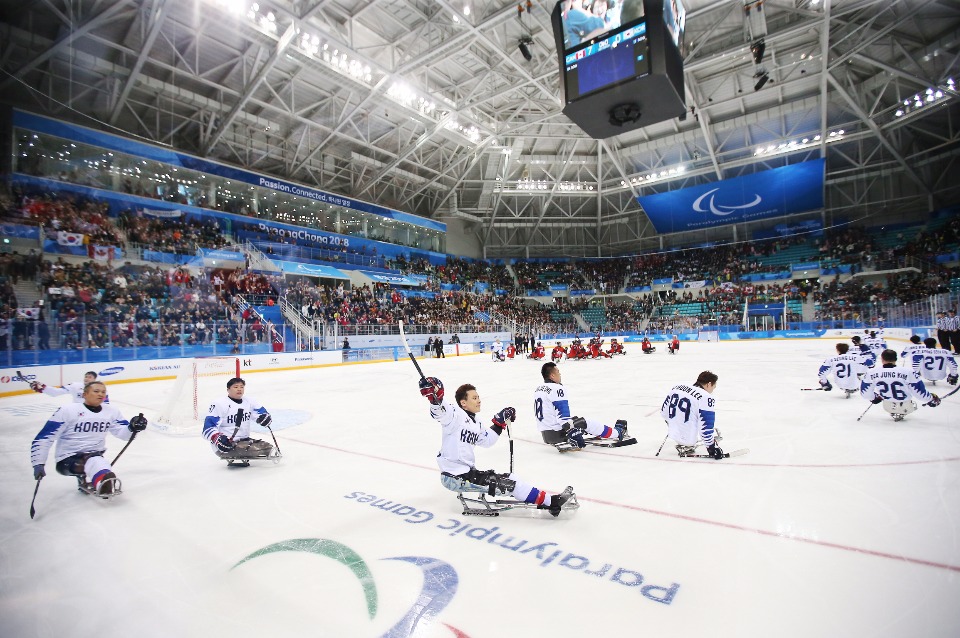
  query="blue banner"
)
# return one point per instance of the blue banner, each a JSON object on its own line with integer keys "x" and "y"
{"x": 386, "y": 278}
{"x": 663, "y": 282}
{"x": 309, "y": 270}
{"x": 638, "y": 289}
{"x": 807, "y": 265}
{"x": 222, "y": 255}
{"x": 773, "y": 193}
{"x": 581, "y": 293}
{"x": 19, "y": 231}
{"x": 558, "y": 287}
{"x": 163, "y": 258}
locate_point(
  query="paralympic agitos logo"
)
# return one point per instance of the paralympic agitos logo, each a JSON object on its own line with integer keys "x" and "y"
{"x": 440, "y": 581}
{"x": 721, "y": 210}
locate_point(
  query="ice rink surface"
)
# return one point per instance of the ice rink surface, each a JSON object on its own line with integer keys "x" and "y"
{"x": 827, "y": 527}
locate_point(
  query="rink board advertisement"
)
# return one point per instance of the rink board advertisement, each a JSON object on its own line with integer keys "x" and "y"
{"x": 773, "y": 193}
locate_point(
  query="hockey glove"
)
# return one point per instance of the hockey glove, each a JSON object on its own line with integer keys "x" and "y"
{"x": 432, "y": 389}
{"x": 138, "y": 423}
{"x": 952, "y": 379}
{"x": 934, "y": 402}
{"x": 265, "y": 420}
{"x": 223, "y": 442}
{"x": 575, "y": 438}
{"x": 877, "y": 399}
{"x": 825, "y": 385}
{"x": 715, "y": 451}
{"x": 504, "y": 417}
{"x": 36, "y": 386}
{"x": 38, "y": 472}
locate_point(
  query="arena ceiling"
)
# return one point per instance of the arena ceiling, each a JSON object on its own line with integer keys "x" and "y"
{"x": 428, "y": 106}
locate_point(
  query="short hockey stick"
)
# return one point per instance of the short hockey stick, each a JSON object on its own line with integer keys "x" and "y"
{"x": 811, "y": 389}
{"x": 33, "y": 511}
{"x": 507, "y": 427}
{"x": 406, "y": 345}
{"x": 275, "y": 444}
{"x": 662, "y": 444}
{"x": 132, "y": 437}
{"x": 726, "y": 455}
{"x": 239, "y": 420}
{"x": 865, "y": 412}
{"x": 951, "y": 393}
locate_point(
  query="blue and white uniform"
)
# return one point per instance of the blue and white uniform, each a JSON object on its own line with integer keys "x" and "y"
{"x": 894, "y": 384}
{"x": 912, "y": 354}
{"x": 78, "y": 429}
{"x": 551, "y": 407}
{"x": 496, "y": 350}
{"x": 460, "y": 434}
{"x": 844, "y": 368}
{"x": 222, "y": 417}
{"x": 867, "y": 356}
{"x": 690, "y": 415}
{"x": 876, "y": 344}
{"x": 74, "y": 389}
{"x": 935, "y": 363}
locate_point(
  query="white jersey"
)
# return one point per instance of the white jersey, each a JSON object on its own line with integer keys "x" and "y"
{"x": 551, "y": 406}
{"x": 497, "y": 347}
{"x": 876, "y": 344}
{"x": 76, "y": 428}
{"x": 75, "y": 389}
{"x": 845, "y": 368}
{"x": 909, "y": 354}
{"x": 893, "y": 384}
{"x": 461, "y": 433}
{"x": 934, "y": 363}
{"x": 690, "y": 415}
{"x": 867, "y": 356}
{"x": 222, "y": 417}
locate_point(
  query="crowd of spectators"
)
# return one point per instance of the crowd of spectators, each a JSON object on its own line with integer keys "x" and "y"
{"x": 171, "y": 235}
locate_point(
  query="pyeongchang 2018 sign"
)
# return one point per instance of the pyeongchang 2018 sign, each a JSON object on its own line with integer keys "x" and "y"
{"x": 774, "y": 193}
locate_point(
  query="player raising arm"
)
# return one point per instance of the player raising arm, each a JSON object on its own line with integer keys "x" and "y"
{"x": 75, "y": 389}
{"x": 80, "y": 433}
{"x": 461, "y": 433}
{"x": 896, "y": 388}
{"x": 691, "y": 417}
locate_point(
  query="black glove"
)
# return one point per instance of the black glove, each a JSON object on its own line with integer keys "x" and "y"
{"x": 575, "y": 437}
{"x": 826, "y": 386}
{"x": 138, "y": 423}
{"x": 36, "y": 386}
{"x": 877, "y": 399}
{"x": 504, "y": 416}
{"x": 432, "y": 389}
{"x": 952, "y": 379}
{"x": 715, "y": 451}
{"x": 38, "y": 472}
{"x": 265, "y": 420}
{"x": 933, "y": 402}
{"x": 223, "y": 442}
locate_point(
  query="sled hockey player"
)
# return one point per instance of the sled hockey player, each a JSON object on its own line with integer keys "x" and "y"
{"x": 876, "y": 344}
{"x": 76, "y": 388}
{"x": 932, "y": 363}
{"x": 915, "y": 348}
{"x": 461, "y": 432}
{"x": 674, "y": 346}
{"x": 596, "y": 349}
{"x": 616, "y": 347}
{"x": 896, "y": 388}
{"x": 231, "y": 440}
{"x": 80, "y": 432}
{"x": 511, "y": 351}
{"x": 647, "y": 347}
{"x": 538, "y": 352}
{"x": 496, "y": 351}
{"x": 552, "y": 409}
{"x": 846, "y": 367}
{"x": 558, "y": 352}
{"x": 867, "y": 356}
{"x": 690, "y": 413}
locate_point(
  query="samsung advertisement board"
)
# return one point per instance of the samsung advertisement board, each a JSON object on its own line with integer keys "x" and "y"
{"x": 773, "y": 193}
{"x": 620, "y": 63}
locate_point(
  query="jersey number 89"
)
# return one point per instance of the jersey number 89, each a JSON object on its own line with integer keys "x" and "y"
{"x": 674, "y": 402}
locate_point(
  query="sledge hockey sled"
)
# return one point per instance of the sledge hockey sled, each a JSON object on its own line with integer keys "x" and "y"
{"x": 250, "y": 450}
{"x": 480, "y": 504}
{"x": 559, "y": 440}
{"x": 108, "y": 488}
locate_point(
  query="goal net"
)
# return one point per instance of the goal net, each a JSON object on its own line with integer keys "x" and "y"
{"x": 708, "y": 335}
{"x": 199, "y": 382}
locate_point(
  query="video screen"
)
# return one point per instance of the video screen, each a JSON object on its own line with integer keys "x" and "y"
{"x": 621, "y": 56}
{"x": 585, "y": 20}
{"x": 675, "y": 17}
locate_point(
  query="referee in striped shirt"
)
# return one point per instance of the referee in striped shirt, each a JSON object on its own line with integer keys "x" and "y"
{"x": 953, "y": 326}
{"x": 943, "y": 330}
